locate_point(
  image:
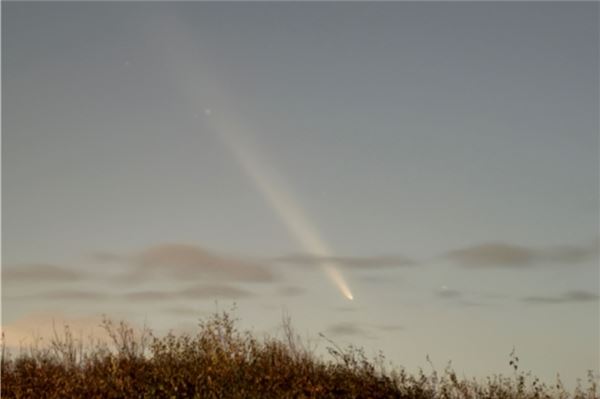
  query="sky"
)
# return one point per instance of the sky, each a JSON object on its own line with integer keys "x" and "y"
{"x": 436, "y": 162}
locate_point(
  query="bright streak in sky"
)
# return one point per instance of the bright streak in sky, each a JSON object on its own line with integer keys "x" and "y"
{"x": 292, "y": 215}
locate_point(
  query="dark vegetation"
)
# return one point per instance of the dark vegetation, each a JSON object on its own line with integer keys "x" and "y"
{"x": 221, "y": 362}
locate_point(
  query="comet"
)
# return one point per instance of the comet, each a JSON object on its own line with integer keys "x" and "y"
{"x": 185, "y": 63}
{"x": 271, "y": 187}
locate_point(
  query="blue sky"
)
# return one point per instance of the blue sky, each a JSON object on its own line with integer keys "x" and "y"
{"x": 446, "y": 154}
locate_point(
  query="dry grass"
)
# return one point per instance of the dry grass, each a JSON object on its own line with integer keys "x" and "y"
{"x": 221, "y": 362}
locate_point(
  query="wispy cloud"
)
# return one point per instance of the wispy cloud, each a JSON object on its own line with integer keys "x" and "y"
{"x": 194, "y": 292}
{"x": 447, "y": 293}
{"x": 215, "y": 291}
{"x": 189, "y": 262}
{"x": 492, "y": 254}
{"x": 75, "y": 295}
{"x": 146, "y": 296}
{"x": 461, "y": 298}
{"x": 203, "y": 291}
{"x": 498, "y": 254}
{"x": 348, "y": 262}
{"x": 350, "y": 328}
{"x": 105, "y": 257}
{"x": 569, "y": 254}
{"x": 470, "y": 304}
{"x": 291, "y": 290}
{"x": 65, "y": 295}
{"x": 346, "y": 328}
{"x": 40, "y": 273}
{"x": 568, "y": 297}
{"x": 346, "y": 308}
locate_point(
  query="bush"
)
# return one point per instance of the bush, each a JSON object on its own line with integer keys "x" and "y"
{"x": 221, "y": 362}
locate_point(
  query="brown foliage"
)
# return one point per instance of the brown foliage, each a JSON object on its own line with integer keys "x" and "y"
{"x": 221, "y": 362}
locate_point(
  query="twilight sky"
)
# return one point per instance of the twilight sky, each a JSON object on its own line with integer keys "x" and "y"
{"x": 442, "y": 158}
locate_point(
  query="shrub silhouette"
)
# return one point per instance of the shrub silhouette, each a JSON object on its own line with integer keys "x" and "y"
{"x": 219, "y": 361}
